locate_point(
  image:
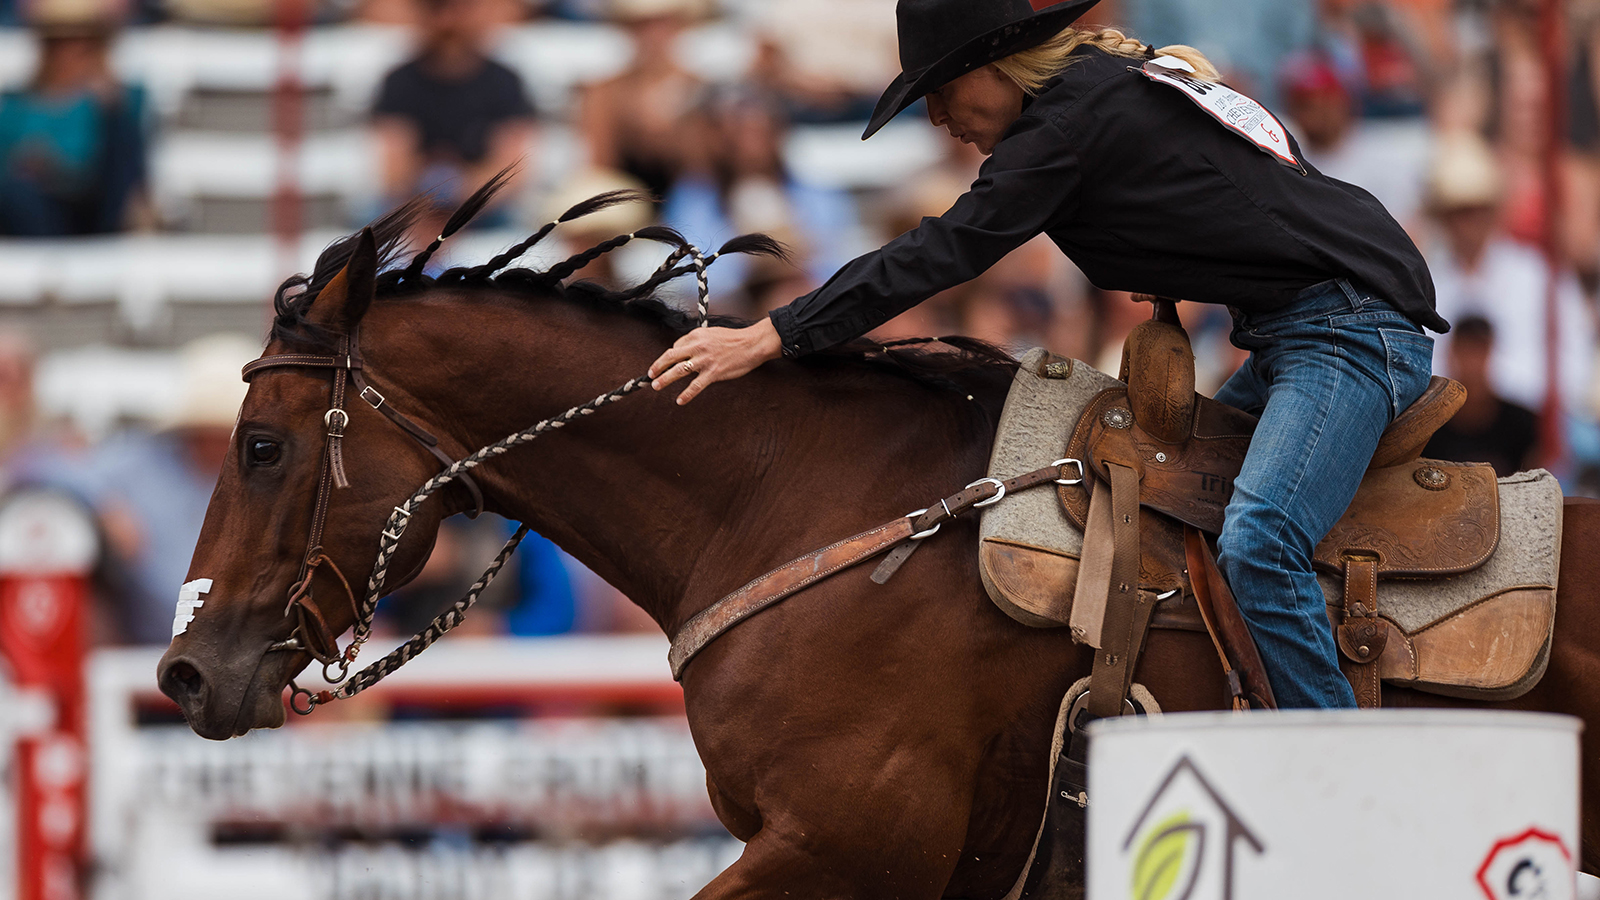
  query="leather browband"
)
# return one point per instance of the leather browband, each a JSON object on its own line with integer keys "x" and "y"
{"x": 905, "y": 533}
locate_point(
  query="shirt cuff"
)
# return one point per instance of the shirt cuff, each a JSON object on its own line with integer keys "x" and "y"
{"x": 795, "y": 343}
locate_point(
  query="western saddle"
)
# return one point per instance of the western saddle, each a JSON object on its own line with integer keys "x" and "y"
{"x": 1158, "y": 447}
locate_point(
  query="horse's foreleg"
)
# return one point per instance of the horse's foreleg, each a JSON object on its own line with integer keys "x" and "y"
{"x": 742, "y": 823}
{"x": 895, "y": 831}
{"x": 773, "y": 867}
{"x": 787, "y": 864}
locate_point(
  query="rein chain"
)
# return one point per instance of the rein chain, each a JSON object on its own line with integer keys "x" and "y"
{"x": 303, "y": 701}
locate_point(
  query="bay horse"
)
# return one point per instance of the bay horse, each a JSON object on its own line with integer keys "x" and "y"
{"x": 863, "y": 740}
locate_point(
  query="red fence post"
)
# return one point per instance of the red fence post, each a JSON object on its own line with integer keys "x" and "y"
{"x": 48, "y": 546}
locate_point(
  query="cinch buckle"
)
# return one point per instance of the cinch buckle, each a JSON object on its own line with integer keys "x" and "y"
{"x": 999, "y": 485}
{"x": 926, "y": 534}
{"x": 1070, "y": 462}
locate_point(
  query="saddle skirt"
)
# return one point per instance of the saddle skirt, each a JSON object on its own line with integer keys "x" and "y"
{"x": 1463, "y": 568}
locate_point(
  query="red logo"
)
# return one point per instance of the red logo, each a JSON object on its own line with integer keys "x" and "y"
{"x": 1532, "y": 864}
{"x": 1042, "y": 5}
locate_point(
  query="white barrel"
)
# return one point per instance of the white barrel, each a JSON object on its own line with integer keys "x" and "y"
{"x": 1302, "y": 805}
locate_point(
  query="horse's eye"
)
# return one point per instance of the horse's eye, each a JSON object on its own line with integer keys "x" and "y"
{"x": 262, "y": 453}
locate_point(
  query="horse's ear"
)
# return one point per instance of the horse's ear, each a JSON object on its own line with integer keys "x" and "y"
{"x": 345, "y": 299}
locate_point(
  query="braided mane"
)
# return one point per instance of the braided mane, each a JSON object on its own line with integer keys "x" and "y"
{"x": 966, "y": 366}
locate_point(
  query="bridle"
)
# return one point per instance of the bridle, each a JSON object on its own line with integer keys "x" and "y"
{"x": 311, "y": 631}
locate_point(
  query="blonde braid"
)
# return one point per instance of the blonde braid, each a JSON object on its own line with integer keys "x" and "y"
{"x": 1032, "y": 69}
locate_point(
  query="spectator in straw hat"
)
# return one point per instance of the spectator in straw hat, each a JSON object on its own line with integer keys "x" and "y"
{"x": 583, "y": 233}
{"x": 1479, "y": 270}
{"x": 634, "y": 122}
{"x": 72, "y": 142}
{"x": 152, "y": 490}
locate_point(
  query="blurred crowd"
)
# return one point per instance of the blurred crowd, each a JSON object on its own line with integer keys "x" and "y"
{"x": 1441, "y": 108}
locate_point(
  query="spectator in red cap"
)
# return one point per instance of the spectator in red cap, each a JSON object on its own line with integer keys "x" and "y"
{"x": 1386, "y": 157}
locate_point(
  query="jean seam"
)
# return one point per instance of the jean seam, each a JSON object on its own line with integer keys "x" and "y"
{"x": 1391, "y": 353}
{"x": 1284, "y": 516}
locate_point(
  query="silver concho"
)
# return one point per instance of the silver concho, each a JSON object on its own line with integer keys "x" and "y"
{"x": 1117, "y": 417}
{"x": 1432, "y": 477}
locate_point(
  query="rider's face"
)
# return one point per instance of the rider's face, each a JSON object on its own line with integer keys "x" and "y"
{"x": 978, "y": 107}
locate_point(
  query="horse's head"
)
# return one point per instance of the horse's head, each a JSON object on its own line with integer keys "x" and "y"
{"x": 277, "y": 594}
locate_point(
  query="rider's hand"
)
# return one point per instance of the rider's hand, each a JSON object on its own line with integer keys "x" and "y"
{"x": 715, "y": 354}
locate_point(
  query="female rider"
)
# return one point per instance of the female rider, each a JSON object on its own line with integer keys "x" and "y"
{"x": 1148, "y": 192}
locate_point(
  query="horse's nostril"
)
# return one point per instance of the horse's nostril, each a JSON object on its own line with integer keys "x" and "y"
{"x": 182, "y": 680}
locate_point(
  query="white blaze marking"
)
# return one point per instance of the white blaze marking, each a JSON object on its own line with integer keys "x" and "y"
{"x": 189, "y": 601}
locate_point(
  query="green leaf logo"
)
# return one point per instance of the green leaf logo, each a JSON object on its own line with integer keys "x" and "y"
{"x": 1171, "y": 848}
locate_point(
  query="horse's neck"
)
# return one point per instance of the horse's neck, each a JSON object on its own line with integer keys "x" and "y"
{"x": 637, "y": 491}
{"x": 672, "y": 505}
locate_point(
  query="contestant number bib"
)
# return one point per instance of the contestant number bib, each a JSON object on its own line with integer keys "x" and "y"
{"x": 1241, "y": 115}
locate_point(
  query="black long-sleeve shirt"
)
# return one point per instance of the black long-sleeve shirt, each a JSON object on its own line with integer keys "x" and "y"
{"x": 1146, "y": 193}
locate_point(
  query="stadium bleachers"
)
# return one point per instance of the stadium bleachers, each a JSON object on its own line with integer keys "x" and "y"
{"x": 215, "y": 163}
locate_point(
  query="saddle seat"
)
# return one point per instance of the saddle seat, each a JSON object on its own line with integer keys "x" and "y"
{"x": 1158, "y": 368}
{"x": 1437, "y": 577}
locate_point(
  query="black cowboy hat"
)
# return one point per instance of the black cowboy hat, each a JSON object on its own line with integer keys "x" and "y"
{"x": 941, "y": 40}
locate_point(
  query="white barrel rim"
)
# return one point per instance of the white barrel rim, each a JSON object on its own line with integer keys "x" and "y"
{"x": 1344, "y": 719}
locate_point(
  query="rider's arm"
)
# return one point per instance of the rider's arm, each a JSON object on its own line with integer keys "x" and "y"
{"x": 1030, "y": 183}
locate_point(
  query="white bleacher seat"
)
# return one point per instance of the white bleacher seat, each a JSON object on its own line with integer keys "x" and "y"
{"x": 835, "y": 155}
{"x": 97, "y": 386}
{"x": 190, "y": 164}
{"x": 142, "y": 273}
{"x": 18, "y": 55}
{"x": 352, "y": 59}
{"x": 170, "y": 61}
{"x": 554, "y": 58}
{"x": 718, "y": 52}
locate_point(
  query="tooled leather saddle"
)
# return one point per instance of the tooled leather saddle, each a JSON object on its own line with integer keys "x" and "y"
{"x": 1160, "y": 462}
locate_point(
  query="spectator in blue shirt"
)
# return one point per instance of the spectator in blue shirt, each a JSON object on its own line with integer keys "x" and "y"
{"x": 72, "y": 143}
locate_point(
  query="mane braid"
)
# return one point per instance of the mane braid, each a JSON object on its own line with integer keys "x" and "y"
{"x": 587, "y": 207}
{"x": 744, "y": 244}
{"x": 659, "y": 233}
{"x": 294, "y": 297}
{"x": 459, "y": 219}
{"x": 969, "y": 371}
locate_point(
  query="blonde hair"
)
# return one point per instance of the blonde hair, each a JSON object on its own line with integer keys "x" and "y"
{"x": 1033, "y": 69}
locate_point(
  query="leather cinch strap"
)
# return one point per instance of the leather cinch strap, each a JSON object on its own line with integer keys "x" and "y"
{"x": 1362, "y": 636}
{"x": 1110, "y": 613}
{"x": 903, "y": 535}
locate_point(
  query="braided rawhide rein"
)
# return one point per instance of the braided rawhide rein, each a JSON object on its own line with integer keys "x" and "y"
{"x": 400, "y": 518}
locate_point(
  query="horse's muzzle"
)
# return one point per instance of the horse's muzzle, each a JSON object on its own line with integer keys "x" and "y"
{"x": 215, "y": 709}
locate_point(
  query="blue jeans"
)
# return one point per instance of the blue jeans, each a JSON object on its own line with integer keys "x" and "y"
{"x": 1326, "y": 376}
